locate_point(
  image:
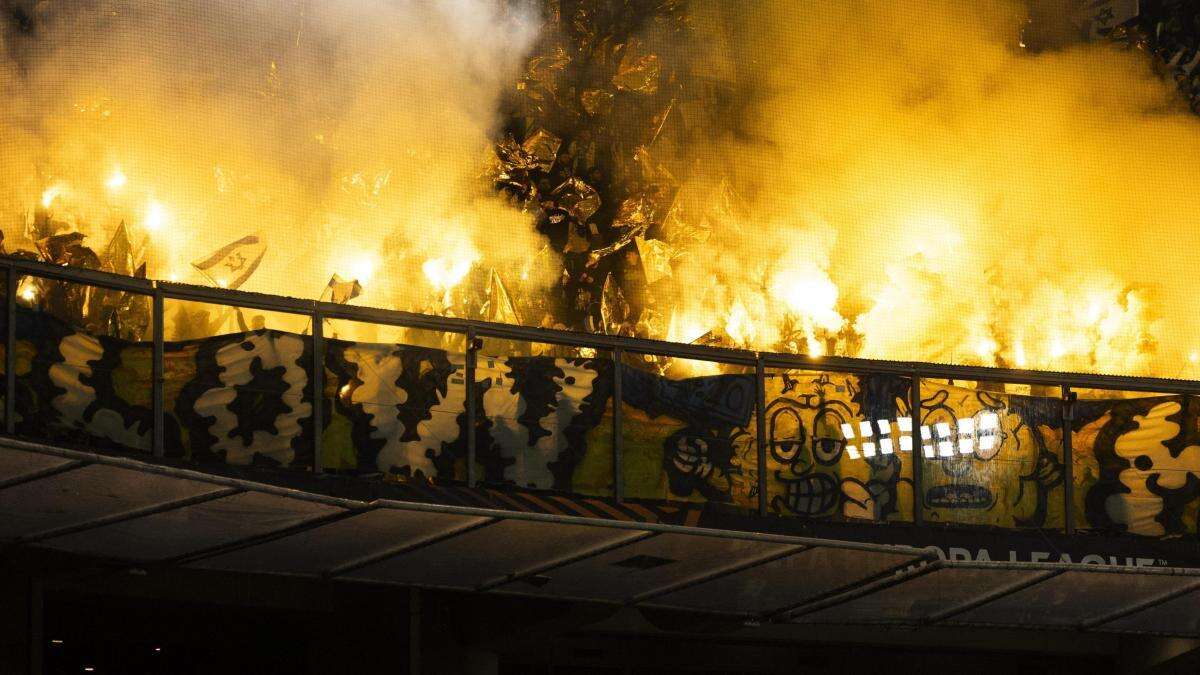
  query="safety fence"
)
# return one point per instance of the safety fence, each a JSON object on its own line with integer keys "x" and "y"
{"x": 213, "y": 375}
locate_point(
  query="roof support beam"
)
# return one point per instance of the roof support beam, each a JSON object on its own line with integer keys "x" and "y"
{"x": 735, "y": 568}
{"x": 563, "y": 562}
{"x": 1141, "y": 606}
{"x": 247, "y": 542}
{"x": 994, "y": 595}
{"x": 44, "y": 473}
{"x": 896, "y": 574}
{"x": 128, "y": 515}
{"x": 408, "y": 547}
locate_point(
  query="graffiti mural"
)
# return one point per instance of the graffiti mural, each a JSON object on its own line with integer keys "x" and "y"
{"x": 812, "y": 469}
{"x": 1014, "y": 480}
{"x": 1137, "y": 465}
{"x": 689, "y": 439}
{"x": 837, "y": 446}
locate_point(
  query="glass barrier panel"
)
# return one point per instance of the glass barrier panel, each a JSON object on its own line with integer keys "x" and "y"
{"x": 545, "y": 417}
{"x": 993, "y": 454}
{"x": 1136, "y": 463}
{"x": 838, "y": 445}
{"x": 687, "y": 431}
{"x": 361, "y": 331}
{"x": 394, "y": 408}
{"x": 83, "y": 365}
{"x": 3, "y": 342}
{"x": 237, "y": 385}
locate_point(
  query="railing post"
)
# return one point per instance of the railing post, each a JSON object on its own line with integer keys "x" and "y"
{"x": 760, "y": 404}
{"x": 617, "y": 442}
{"x": 318, "y": 385}
{"x": 156, "y": 368}
{"x": 10, "y": 354}
{"x": 1068, "y": 416}
{"x": 469, "y": 389}
{"x": 918, "y": 458}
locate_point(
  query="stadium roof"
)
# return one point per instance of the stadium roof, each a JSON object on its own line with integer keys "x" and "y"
{"x": 136, "y": 512}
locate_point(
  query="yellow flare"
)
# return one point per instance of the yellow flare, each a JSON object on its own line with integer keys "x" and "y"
{"x": 1019, "y": 355}
{"x": 1057, "y": 348}
{"x": 361, "y": 269}
{"x": 686, "y": 329}
{"x": 816, "y": 348}
{"x": 444, "y": 273}
{"x": 986, "y": 348}
{"x": 810, "y": 294}
{"x": 53, "y": 192}
{"x": 156, "y": 217}
{"x": 116, "y": 180}
{"x": 27, "y": 289}
{"x": 738, "y": 325}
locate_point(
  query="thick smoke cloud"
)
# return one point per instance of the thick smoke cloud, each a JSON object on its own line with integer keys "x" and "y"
{"x": 896, "y": 180}
{"x": 971, "y": 200}
{"x": 352, "y": 134}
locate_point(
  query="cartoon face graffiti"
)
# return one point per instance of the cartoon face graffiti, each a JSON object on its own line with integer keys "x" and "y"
{"x": 995, "y": 458}
{"x": 958, "y": 479}
{"x": 810, "y": 487}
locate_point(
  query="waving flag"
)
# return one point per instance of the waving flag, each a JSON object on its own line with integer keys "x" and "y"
{"x": 231, "y": 265}
{"x": 342, "y": 291}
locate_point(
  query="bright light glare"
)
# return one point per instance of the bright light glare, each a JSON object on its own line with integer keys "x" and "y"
{"x": 445, "y": 274}
{"x": 966, "y": 436}
{"x": 53, "y": 192}
{"x": 361, "y": 269}
{"x": 116, "y": 180}
{"x": 945, "y": 447}
{"x": 989, "y": 424}
{"x": 926, "y": 448}
{"x": 156, "y": 217}
{"x": 27, "y": 290}
{"x": 906, "y": 441}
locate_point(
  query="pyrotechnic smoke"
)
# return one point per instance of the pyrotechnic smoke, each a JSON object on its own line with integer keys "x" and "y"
{"x": 897, "y": 180}
{"x": 352, "y": 134}
{"x": 971, "y": 201}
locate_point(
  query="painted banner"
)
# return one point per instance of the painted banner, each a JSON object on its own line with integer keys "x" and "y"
{"x": 818, "y": 425}
{"x": 1013, "y": 479}
{"x": 838, "y": 446}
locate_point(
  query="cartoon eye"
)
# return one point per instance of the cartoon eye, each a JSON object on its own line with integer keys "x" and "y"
{"x": 828, "y": 440}
{"x": 787, "y": 435}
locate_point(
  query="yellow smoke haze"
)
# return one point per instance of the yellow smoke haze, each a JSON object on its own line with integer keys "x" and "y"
{"x": 351, "y": 134}
{"x": 971, "y": 202}
{"x": 908, "y": 181}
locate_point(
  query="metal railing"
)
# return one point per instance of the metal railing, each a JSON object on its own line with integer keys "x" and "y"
{"x": 474, "y": 331}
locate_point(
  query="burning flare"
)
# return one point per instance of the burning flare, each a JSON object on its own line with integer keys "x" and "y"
{"x": 950, "y": 197}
